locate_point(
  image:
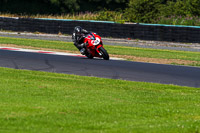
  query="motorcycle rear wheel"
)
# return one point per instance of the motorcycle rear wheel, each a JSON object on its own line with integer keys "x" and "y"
{"x": 104, "y": 53}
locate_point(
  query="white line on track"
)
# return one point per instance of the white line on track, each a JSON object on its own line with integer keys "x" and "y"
{"x": 48, "y": 52}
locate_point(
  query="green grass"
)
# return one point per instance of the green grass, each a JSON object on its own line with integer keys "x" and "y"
{"x": 32, "y": 101}
{"x": 38, "y": 43}
{"x": 116, "y": 50}
{"x": 154, "y": 53}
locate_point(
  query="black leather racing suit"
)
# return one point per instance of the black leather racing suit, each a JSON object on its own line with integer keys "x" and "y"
{"x": 79, "y": 39}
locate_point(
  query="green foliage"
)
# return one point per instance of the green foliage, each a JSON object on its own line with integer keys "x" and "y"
{"x": 137, "y": 11}
{"x": 143, "y": 10}
{"x": 147, "y": 11}
{"x": 187, "y": 7}
{"x": 115, "y": 16}
{"x": 194, "y": 7}
{"x": 181, "y": 8}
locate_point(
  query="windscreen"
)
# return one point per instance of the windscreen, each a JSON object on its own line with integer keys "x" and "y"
{"x": 90, "y": 36}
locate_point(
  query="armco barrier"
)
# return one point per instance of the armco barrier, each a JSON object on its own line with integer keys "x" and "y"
{"x": 105, "y": 29}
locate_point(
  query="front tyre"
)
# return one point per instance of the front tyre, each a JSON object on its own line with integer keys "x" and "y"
{"x": 104, "y": 53}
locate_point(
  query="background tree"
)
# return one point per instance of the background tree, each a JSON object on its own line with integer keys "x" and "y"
{"x": 181, "y": 8}
{"x": 143, "y": 10}
{"x": 59, "y": 6}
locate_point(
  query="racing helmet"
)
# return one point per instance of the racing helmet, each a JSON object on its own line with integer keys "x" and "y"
{"x": 78, "y": 30}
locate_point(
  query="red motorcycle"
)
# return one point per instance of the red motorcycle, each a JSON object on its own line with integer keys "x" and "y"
{"x": 94, "y": 47}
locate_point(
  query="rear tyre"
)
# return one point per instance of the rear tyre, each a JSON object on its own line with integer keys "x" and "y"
{"x": 104, "y": 53}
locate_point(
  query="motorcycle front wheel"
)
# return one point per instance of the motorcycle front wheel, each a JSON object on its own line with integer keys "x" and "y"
{"x": 104, "y": 53}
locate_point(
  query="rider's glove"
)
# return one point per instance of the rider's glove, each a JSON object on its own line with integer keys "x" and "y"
{"x": 83, "y": 45}
{"x": 84, "y": 31}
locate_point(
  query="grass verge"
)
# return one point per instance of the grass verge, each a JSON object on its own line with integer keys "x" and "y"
{"x": 130, "y": 53}
{"x": 34, "y": 101}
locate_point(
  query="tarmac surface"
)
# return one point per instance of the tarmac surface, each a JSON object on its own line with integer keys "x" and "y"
{"x": 114, "y": 69}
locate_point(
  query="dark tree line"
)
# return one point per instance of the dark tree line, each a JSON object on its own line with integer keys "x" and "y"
{"x": 148, "y": 11}
{"x": 59, "y": 6}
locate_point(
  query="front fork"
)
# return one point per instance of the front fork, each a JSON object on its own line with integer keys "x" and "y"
{"x": 97, "y": 49}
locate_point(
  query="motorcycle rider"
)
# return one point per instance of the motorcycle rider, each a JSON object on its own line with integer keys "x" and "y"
{"x": 78, "y": 38}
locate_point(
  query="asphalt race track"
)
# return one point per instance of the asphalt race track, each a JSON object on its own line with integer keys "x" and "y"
{"x": 126, "y": 70}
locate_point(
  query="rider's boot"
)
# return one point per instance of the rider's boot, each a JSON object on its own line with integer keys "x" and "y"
{"x": 82, "y": 51}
